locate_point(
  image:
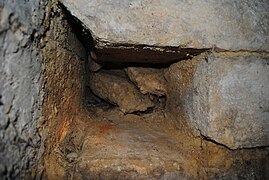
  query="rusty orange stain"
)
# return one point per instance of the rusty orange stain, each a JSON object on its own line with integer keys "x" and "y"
{"x": 105, "y": 128}
{"x": 63, "y": 130}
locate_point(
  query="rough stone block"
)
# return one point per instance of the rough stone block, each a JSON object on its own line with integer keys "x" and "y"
{"x": 228, "y": 24}
{"x": 149, "y": 80}
{"x": 228, "y": 100}
{"x": 113, "y": 86}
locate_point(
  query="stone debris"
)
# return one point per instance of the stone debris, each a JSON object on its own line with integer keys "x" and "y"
{"x": 149, "y": 80}
{"x": 114, "y": 87}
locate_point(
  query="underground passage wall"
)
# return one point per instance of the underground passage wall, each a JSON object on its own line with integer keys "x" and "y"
{"x": 134, "y": 90}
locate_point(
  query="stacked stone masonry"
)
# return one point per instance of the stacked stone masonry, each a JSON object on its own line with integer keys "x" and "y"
{"x": 227, "y": 98}
{"x": 221, "y": 82}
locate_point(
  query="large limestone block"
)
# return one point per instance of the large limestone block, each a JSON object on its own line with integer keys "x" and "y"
{"x": 228, "y": 100}
{"x": 226, "y": 24}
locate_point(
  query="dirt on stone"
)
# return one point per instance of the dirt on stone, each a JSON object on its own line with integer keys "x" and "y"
{"x": 148, "y": 80}
{"x": 101, "y": 142}
{"x": 114, "y": 87}
{"x": 107, "y": 144}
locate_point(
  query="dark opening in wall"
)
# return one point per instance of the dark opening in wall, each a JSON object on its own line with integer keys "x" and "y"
{"x": 125, "y": 128}
{"x": 130, "y": 76}
{"x": 0, "y": 100}
{"x": 134, "y": 89}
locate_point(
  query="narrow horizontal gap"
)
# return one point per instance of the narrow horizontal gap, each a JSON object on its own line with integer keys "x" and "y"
{"x": 144, "y": 54}
{"x": 127, "y": 53}
{"x": 122, "y": 65}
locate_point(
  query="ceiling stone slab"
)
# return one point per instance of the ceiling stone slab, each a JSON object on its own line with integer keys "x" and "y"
{"x": 228, "y": 24}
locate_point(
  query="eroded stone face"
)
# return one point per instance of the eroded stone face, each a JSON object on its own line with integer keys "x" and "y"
{"x": 229, "y": 24}
{"x": 148, "y": 80}
{"x": 21, "y": 90}
{"x": 228, "y": 100}
{"x": 114, "y": 87}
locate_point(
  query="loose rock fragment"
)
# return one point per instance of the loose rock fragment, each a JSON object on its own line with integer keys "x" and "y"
{"x": 113, "y": 86}
{"x": 149, "y": 80}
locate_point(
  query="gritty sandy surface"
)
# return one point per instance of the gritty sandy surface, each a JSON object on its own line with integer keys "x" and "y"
{"x": 106, "y": 144}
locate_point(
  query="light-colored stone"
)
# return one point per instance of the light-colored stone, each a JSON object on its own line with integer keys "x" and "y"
{"x": 149, "y": 80}
{"x": 228, "y": 99}
{"x": 113, "y": 86}
{"x": 72, "y": 156}
{"x": 21, "y": 87}
{"x": 228, "y": 24}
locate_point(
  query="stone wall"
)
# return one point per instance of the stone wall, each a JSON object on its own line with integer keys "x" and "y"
{"x": 20, "y": 86}
{"x": 225, "y": 97}
{"x": 41, "y": 72}
{"x": 223, "y": 92}
{"x": 64, "y": 60}
{"x": 228, "y": 24}
{"x": 231, "y": 91}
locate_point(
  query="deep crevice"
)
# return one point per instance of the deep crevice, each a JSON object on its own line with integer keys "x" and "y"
{"x": 76, "y": 26}
{"x": 1, "y": 100}
{"x": 223, "y": 145}
{"x": 93, "y": 101}
{"x": 205, "y": 138}
{"x": 122, "y": 65}
{"x": 144, "y": 54}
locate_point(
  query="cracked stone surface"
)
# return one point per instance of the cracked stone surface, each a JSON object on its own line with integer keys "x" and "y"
{"x": 227, "y": 99}
{"x": 228, "y": 24}
{"x": 106, "y": 144}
